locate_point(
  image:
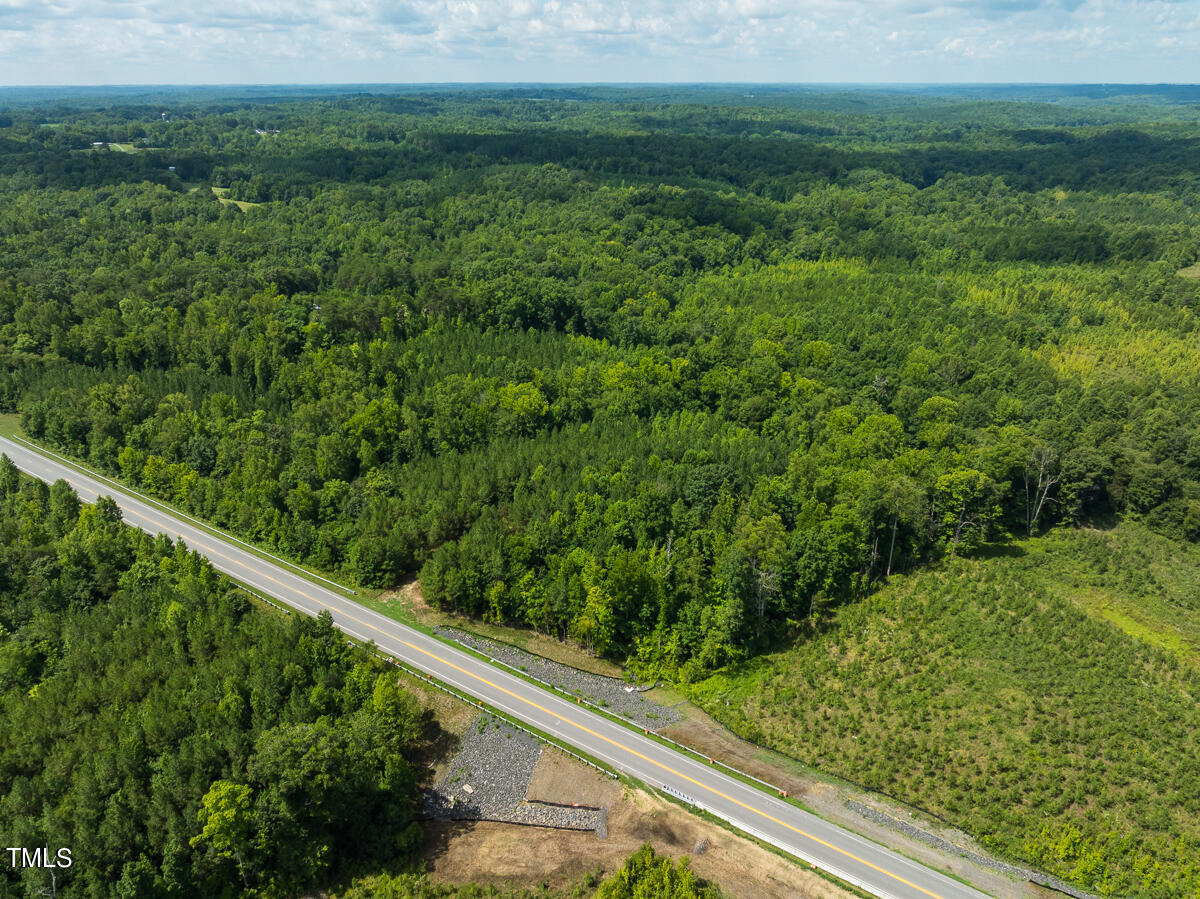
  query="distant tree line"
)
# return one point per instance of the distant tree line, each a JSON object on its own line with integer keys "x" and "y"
{"x": 661, "y": 387}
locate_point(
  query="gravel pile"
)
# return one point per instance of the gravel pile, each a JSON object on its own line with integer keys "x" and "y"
{"x": 946, "y": 846}
{"x": 489, "y": 777}
{"x": 610, "y": 693}
{"x": 490, "y": 774}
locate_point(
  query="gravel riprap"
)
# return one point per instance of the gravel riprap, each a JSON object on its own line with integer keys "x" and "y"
{"x": 489, "y": 777}
{"x": 946, "y": 846}
{"x": 610, "y": 693}
{"x": 562, "y": 817}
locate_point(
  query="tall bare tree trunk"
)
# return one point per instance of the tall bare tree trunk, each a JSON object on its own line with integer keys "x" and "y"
{"x": 1042, "y": 460}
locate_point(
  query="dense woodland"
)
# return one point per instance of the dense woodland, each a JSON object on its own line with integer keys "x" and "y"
{"x": 659, "y": 377}
{"x": 671, "y": 373}
{"x": 182, "y": 741}
{"x": 178, "y": 739}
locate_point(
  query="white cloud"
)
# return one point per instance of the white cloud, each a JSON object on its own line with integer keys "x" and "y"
{"x": 763, "y": 9}
{"x": 96, "y": 41}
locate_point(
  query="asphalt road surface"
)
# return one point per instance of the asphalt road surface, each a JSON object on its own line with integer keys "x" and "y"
{"x": 840, "y": 852}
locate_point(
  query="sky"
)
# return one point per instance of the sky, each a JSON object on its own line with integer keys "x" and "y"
{"x": 407, "y": 41}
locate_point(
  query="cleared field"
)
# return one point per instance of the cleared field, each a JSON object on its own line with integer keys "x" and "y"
{"x": 999, "y": 694}
{"x": 243, "y": 205}
{"x": 510, "y": 854}
{"x": 1141, "y": 582}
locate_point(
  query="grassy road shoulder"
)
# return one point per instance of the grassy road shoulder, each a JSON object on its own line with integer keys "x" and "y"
{"x": 411, "y": 610}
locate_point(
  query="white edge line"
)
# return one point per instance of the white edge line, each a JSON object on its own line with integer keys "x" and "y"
{"x": 162, "y": 507}
{"x": 173, "y": 511}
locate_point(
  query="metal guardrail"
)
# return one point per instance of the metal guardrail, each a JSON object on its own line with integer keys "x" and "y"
{"x": 764, "y": 838}
{"x": 262, "y": 598}
{"x": 479, "y": 704}
{"x": 631, "y": 723}
{"x": 754, "y": 832}
{"x": 683, "y": 797}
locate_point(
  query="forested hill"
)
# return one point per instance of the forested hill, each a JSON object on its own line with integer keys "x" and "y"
{"x": 176, "y": 740}
{"x": 665, "y": 375}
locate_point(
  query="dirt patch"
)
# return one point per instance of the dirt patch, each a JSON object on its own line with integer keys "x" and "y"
{"x": 412, "y": 596}
{"x": 560, "y": 779}
{"x": 506, "y": 854}
{"x": 703, "y": 734}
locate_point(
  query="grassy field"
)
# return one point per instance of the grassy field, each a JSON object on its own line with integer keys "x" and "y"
{"x": 240, "y": 204}
{"x": 1045, "y": 701}
{"x": 1145, "y": 584}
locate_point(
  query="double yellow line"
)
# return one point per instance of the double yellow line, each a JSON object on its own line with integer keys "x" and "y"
{"x": 166, "y": 528}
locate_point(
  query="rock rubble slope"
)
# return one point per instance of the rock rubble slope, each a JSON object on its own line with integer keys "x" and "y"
{"x": 488, "y": 780}
{"x": 607, "y": 692}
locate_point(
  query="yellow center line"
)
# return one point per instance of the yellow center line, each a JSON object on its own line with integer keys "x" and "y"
{"x": 692, "y": 780}
{"x": 530, "y": 702}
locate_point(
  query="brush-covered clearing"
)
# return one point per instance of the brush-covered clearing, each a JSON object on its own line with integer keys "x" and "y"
{"x": 1044, "y": 698}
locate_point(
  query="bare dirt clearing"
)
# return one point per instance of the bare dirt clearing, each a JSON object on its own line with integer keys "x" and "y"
{"x": 511, "y": 854}
{"x": 558, "y": 779}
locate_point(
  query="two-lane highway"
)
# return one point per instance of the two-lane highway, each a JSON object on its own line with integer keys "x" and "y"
{"x": 838, "y": 851}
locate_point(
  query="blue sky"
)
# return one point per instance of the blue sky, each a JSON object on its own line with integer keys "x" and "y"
{"x": 307, "y": 41}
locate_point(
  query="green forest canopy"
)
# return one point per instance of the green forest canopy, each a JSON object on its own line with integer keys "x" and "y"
{"x": 177, "y": 738}
{"x": 670, "y": 372}
{"x": 662, "y": 373}
{"x": 180, "y": 740}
